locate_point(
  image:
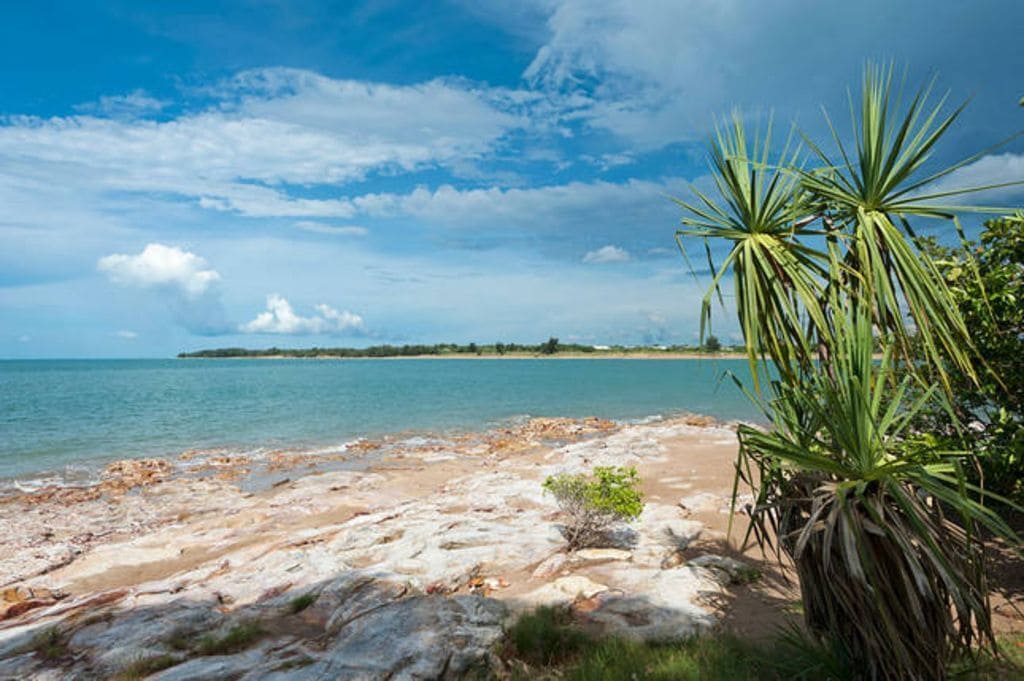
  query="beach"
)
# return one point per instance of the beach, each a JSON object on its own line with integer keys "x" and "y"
{"x": 417, "y": 560}
{"x": 460, "y": 527}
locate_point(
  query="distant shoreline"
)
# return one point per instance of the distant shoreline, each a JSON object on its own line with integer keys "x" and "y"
{"x": 509, "y": 356}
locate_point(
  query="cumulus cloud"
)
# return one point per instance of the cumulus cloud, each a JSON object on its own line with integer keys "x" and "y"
{"x": 280, "y": 318}
{"x": 607, "y": 254}
{"x": 161, "y": 266}
{"x": 183, "y": 280}
{"x": 321, "y": 228}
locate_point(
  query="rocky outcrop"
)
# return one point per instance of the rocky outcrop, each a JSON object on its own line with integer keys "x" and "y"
{"x": 406, "y": 571}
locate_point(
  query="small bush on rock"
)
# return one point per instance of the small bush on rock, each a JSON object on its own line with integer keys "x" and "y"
{"x": 593, "y": 503}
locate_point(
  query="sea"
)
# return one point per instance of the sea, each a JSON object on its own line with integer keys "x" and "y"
{"x": 61, "y": 420}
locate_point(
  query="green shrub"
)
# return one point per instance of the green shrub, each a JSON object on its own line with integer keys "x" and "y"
{"x": 593, "y": 503}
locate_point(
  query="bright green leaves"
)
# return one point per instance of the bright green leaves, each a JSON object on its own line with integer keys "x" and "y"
{"x": 778, "y": 277}
{"x": 593, "y": 503}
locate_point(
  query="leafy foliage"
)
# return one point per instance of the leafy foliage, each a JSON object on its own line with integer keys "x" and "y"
{"x": 987, "y": 282}
{"x": 592, "y": 504}
{"x": 550, "y": 347}
{"x": 823, "y": 257}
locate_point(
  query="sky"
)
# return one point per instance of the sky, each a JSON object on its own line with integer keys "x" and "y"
{"x": 187, "y": 175}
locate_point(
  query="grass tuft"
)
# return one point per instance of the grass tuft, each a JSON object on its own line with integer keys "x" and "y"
{"x": 239, "y": 637}
{"x": 180, "y": 639}
{"x": 746, "y": 575}
{"x": 300, "y": 603}
{"x": 50, "y": 644}
{"x": 146, "y": 666}
{"x": 546, "y": 636}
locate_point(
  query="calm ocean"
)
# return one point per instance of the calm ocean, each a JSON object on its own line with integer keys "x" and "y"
{"x": 59, "y": 416}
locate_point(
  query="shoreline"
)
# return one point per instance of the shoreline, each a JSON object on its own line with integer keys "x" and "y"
{"x": 356, "y": 451}
{"x": 508, "y": 356}
{"x": 255, "y": 466}
{"x": 442, "y": 541}
{"x": 429, "y": 527}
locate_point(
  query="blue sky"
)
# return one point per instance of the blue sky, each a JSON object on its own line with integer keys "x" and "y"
{"x": 200, "y": 174}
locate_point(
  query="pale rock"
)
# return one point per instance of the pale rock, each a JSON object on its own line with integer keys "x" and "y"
{"x": 651, "y": 604}
{"x": 725, "y": 569}
{"x": 134, "y": 633}
{"x": 423, "y": 637}
{"x": 701, "y": 502}
{"x": 213, "y": 668}
{"x": 550, "y": 566}
{"x": 18, "y": 666}
{"x": 661, "y": 531}
{"x": 564, "y": 590}
{"x": 600, "y": 555}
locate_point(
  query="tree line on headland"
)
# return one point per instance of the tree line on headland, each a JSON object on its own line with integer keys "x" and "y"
{"x": 551, "y": 346}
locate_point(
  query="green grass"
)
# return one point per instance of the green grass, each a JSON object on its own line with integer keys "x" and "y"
{"x": 713, "y": 658}
{"x": 51, "y": 644}
{"x": 547, "y": 644}
{"x": 145, "y": 666}
{"x": 238, "y": 638}
{"x": 180, "y": 639}
{"x": 1009, "y": 666}
{"x": 746, "y": 575}
{"x": 545, "y": 636}
{"x": 300, "y": 603}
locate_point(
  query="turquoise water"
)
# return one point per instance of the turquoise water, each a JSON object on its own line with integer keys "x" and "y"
{"x": 56, "y": 415}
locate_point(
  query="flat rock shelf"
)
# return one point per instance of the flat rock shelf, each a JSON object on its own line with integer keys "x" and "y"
{"x": 407, "y": 569}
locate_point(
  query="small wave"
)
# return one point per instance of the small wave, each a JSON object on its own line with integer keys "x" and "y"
{"x": 645, "y": 420}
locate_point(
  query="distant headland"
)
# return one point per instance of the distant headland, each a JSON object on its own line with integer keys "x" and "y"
{"x": 549, "y": 348}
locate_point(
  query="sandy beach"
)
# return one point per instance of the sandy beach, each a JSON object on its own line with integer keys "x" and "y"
{"x": 150, "y": 549}
{"x": 414, "y": 561}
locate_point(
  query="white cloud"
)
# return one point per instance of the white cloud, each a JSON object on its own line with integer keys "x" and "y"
{"x": 135, "y": 103}
{"x": 161, "y": 266}
{"x": 988, "y": 170}
{"x": 607, "y": 254}
{"x": 321, "y": 228}
{"x": 127, "y": 335}
{"x": 267, "y": 128}
{"x": 280, "y": 318}
{"x": 656, "y": 72}
{"x": 638, "y": 205}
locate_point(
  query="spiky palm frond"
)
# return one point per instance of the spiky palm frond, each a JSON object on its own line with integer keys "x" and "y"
{"x": 860, "y": 507}
{"x": 872, "y": 190}
{"x": 778, "y": 277}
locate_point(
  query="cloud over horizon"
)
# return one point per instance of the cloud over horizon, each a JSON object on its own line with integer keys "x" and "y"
{"x": 280, "y": 318}
{"x": 515, "y": 184}
{"x": 161, "y": 266}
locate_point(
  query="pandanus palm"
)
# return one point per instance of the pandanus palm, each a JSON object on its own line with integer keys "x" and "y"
{"x": 824, "y": 260}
